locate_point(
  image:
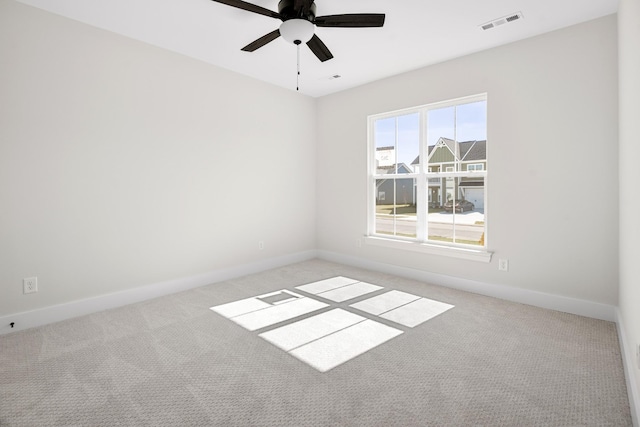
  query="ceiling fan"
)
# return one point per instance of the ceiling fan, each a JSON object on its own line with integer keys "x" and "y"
{"x": 299, "y": 21}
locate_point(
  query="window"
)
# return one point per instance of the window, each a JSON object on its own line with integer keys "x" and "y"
{"x": 421, "y": 157}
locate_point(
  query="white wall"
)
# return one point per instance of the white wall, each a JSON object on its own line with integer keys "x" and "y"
{"x": 552, "y": 119}
{"x": 629, "y": 304}
{"x": 123, "y": 165}
{"x": 116, "y": 171}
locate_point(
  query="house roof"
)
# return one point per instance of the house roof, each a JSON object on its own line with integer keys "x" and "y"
{"x": 473, "y": 150}
{"x": 468, "y": 150}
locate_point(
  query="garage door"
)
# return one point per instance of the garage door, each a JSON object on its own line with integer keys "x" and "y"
{"x": 475, "y": 196}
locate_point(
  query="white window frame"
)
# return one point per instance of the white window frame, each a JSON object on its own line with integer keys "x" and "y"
{"x": 421, "y": 175}
{"x": 480, "y": 169}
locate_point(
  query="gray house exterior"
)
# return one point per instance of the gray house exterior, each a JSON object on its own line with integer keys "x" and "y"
{"x": 403, "y": 193}
{"x": 451, "y": 156}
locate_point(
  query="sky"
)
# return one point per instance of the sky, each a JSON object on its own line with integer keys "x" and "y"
{"x": 466, "y": 122}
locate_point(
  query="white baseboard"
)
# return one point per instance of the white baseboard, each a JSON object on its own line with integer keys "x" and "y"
{"x": 539, "y": 299}
{"x": 56, "y": 313}
{"x": 629, "y": 371}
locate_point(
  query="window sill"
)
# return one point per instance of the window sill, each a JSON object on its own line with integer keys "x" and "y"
{"x": 427, "y": 248}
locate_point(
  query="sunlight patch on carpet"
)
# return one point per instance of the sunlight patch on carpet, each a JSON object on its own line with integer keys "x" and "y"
{"x": 331, "y": 338}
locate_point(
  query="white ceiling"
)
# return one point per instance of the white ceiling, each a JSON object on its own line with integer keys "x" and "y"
{"x": 416, "y": 33}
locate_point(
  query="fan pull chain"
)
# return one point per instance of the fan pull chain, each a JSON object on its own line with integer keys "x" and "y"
{"x": 297, "y": 42}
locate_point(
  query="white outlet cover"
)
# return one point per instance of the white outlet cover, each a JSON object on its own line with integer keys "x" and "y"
{"x": 30, "y": 285}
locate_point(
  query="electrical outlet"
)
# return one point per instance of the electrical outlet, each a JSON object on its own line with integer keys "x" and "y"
{"x": 358, "y": 242}
{"x": 503, "y": 264}
{"x": 30, "y": 285}
{"x": 261, "y": 245}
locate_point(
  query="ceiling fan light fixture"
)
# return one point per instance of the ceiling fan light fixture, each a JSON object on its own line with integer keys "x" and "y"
{"x": 293, "y": 30}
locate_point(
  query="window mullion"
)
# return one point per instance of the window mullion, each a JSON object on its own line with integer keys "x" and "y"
{"x": 422, "y": 209}
{"x": 371, "y": 164}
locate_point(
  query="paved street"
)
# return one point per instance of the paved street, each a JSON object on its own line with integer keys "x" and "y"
{"x": 440, "y": 225}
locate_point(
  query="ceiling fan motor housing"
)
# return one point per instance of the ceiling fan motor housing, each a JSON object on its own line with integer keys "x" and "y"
{"x": 287, "y": 10}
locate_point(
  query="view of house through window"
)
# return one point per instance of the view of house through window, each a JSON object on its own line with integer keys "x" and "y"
{"x": 428, "y": 173}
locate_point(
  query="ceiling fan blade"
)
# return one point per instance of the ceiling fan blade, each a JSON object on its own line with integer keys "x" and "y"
{"x": 351, "y": 20}
{"x": 256, "y": 44}
{"x": 250, "y": 7}
{"x": 319, "y": 48}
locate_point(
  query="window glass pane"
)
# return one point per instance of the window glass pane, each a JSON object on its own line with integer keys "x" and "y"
{"x": 397, "y": 141}
{"x": 434, "y": 194}
{"x": 461, "y": 218}
{"x": 396, "y": 207}
{"x": 385, "y": 208}
{"x": 385, "y": 144}
{"x": 470, "y": 222}
{"x": 471, "y": 134}
{"x": 408, "y": 143}
{"x": 441, "y": 128}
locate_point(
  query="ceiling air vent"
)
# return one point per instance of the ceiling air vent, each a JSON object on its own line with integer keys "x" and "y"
{"x": 513, "y": 17}
{"x": 501, "y": 21}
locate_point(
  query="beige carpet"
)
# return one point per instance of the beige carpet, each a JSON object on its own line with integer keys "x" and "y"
{"x": 174, "y": 362}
